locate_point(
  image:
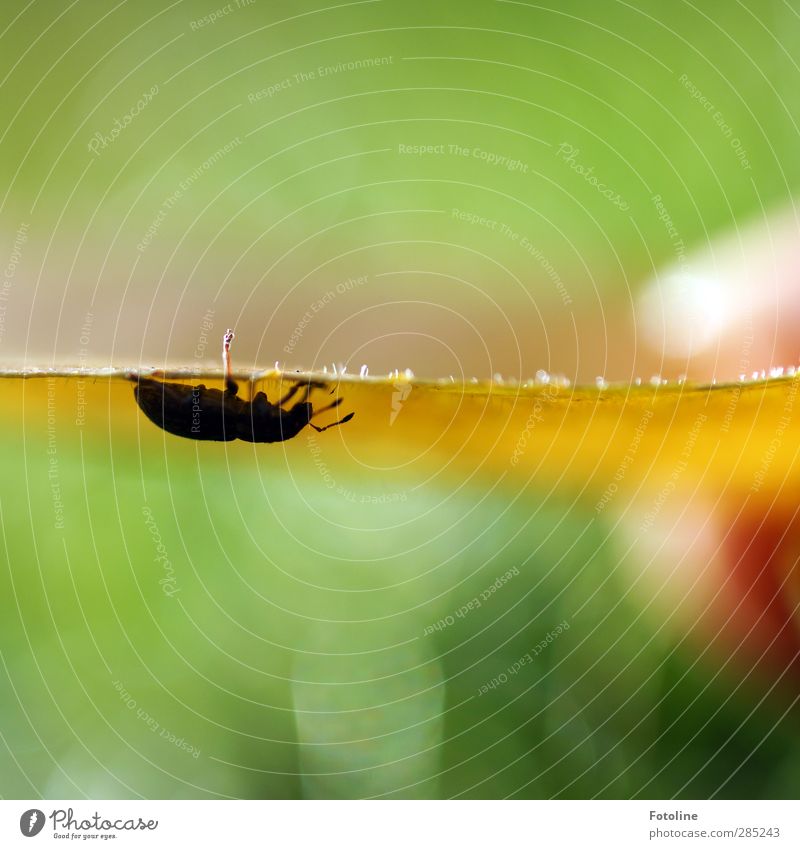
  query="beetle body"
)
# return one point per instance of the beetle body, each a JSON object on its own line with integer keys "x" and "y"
{"x": 197, "y": 412}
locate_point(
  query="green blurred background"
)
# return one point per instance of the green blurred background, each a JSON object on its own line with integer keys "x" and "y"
{"x": 454, "y": 162}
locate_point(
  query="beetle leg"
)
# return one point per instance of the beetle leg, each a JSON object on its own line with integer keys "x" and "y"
{"x": 330, "y": 407}
{"x": 311, "y": 384}
{"x": 290, "y": 394}
{"x": 260, "y": 400}
{"x": 333, "y": 424}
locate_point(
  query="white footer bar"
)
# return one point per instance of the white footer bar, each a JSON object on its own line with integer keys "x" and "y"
{"x": 401, "y": 824}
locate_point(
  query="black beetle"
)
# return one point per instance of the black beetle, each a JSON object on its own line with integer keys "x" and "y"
{"x": 213, "y": 414}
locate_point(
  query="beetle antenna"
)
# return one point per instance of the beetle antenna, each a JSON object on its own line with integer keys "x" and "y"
{"x": 230, "y": 384}
{"x": 226, "y": 353}
{"x": 333, "y": 424}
